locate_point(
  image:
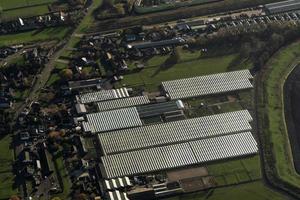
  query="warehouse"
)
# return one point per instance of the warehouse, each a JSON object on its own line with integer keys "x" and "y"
{"x": 208, "y": 85}
{"x": 283, "y": 6}
{"x": 179, "y": 155}
{"x": 102, "y": 95}
{"x": 123, "y": 103}
{"x": 112, "y": 120}
{"x": 174, "y": 132}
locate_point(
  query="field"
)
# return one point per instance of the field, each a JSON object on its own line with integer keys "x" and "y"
{"x": 6, "y": 175}
{"x": 57, "y": 33}
{"x": 249, "y": 191}
{"x": 237, "y": 179}
{"x": 236, "y": 171}
{"x": 272, "y": 116}
{"x": 12, "y": 9}
{"x": 12, "y": 4}
{"x": 190, "y": 64}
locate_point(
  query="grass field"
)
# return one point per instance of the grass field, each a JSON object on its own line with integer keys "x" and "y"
{"x": 249, "y": 191}
{"x": 12, "y": 9}
{"x": 57, "y": 33}
{"x": 6, "y": 175}
{"x": 271, "y": 112}
{"x": 236, "y": 171}
{"x": 191, "y": 64}
{"x": 8, "y": 15}
{"x": 12, "y": 4}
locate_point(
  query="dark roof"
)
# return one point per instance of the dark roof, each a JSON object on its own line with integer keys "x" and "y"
{"x": 283, "y": 6}
{"x": 85, "y": 83}
{"x": 144, "y": 45}
{"x": 157, "y": 109}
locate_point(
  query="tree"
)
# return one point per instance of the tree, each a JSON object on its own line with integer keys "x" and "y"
{"x": 120, "y": 9}
{"x": 66, "y": 74}
{"x": 107, "y": 4}
{"x": 56, "y": 198}
{"x": 173, "y": 58}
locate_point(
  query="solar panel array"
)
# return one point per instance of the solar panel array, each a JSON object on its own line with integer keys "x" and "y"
{"x": 283, "y": 6}
{"x": 123, "y": 103}
{"x": 103, "y": 95}
{"x": 209, "y": 84}
{"x": 112, "y": 120}
{"x": 177, "y": 155}
{"x": 175, "y": 132}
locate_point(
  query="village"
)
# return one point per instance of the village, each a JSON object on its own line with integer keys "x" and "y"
{"x": 139, "y": 113}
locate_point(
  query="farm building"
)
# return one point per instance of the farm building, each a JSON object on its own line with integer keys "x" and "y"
{"x": 123, "y": 103}
{"x": 176, "y": 144}
{"x": 174, "y": 132}
{"x": 112, "y": 120}
{"x": 90, "y": 83}
{"x": 179, "y": 155}
{"x": 158, "y": 109}
{"x": 282, "y": 6}
{"x": 207, "y": 85}
{"x": 102, "y": 95}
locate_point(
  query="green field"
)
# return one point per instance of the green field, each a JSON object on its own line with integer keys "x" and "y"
{"x": 62, "y": 175}
{"x": 236, "y": 171}
{"x": 6, "y": 175}
{"x": 24, "y": 12}
{"x": 249, "y": 191}
{"x": 237, "y": 179}
{"x": 12, "y": 4}
{"x": 57, "y": 33}
{"x": 271, "y": 112}
{"x": 191, "y": 64}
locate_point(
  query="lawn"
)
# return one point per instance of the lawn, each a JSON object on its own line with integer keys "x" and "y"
{"x": 271, "y": 112}
{"x": 190, "y": 65}
{"x": 6, "y": 175}
{"x": 249, "y": 191}
{"x": 57, "y": 33}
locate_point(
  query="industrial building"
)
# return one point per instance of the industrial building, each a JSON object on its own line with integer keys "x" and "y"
{"x": 208, "y": 85}
{"x": 282, "y": 6}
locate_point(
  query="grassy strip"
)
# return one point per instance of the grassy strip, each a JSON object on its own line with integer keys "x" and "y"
{"x": 278, "y": 155}
{"x": 24, "y": 12}
{"x": 62, "y": 176}
{"x": 57, "y": 33}
{"x": 6, "y": 176}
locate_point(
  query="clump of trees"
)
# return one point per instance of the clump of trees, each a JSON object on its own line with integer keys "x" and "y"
{"x": 256, "y": 46}
{"x": 173, "y": 59}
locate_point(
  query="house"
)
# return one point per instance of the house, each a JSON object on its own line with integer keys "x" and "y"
{"x": 5, "y": 103}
